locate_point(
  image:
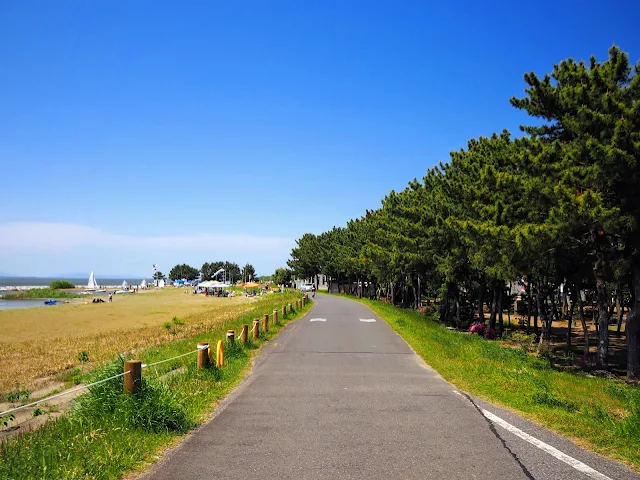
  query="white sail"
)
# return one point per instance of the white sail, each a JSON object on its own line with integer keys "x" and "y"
{"x": 92, "y": 282}
{"x": 125, "y": 284}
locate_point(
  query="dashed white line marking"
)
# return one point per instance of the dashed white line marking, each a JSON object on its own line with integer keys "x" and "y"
{"x": 368, "y": 320}
{"x": 318, "y": 320}
{"x": 554, "y": 452}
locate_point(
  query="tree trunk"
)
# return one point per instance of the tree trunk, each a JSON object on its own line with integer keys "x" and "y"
{"x": 500, "y": 317}
{"x": 509, "y": 305}
{"x": 494, "y": 306}
{"x": 585, "y": 328}
{"x": 529, "y": 306}
{"x": 458, "y": 312}
{"x": 570, "y": 320}
{"x": 632, "y": 329}
{"x": 543, "y": 317}
{"x": 619, "y": 307}
{"x": 481, "y": 304}
{"x": 603, "y": 322}
{"x": 565, "y": 303}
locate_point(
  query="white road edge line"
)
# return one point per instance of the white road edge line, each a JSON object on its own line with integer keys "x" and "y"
{"x": 368, "y": 320}
{"x": 318, "y": 320}
{"x": 554, "y": 452}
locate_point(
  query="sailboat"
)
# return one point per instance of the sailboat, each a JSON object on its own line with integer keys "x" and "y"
{"x": 125, "y": 288}
{"x": 93, "y": 284}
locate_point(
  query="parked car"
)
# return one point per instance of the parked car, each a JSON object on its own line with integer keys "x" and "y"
{"x": 306, "y": 287}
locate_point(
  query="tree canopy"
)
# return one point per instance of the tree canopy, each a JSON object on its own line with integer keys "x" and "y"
{"x": 184, "y": 271}
{"x": 556, "y": 210}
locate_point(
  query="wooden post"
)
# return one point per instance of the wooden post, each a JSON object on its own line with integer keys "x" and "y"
{"x": 284, "y": 311}
{"x": 203, "y": 355}
{"x": 275, "y": 317}
{"x": 304, "y": 300}
{"x": 133, "y": 379}
{"x": 256, "y": 328}
{"x": 266, "y": 322}
{"x": 220, "y": 354}
{"x": 244, "y": 335}
{"x": 231, "y": 336}
{"x": 290, "y": 308}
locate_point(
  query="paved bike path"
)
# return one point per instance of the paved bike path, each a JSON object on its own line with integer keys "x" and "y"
{"x": 338, "y": 395}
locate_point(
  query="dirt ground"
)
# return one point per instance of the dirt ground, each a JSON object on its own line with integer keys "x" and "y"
{"x": 574, "y": 358}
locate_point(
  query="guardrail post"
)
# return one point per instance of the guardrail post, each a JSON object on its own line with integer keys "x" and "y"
{"x": 266, "y": 322}
{"x": 133, "y": 379}
{"x": 275, "y": 317}
{"x": 244, "y": 335}
{"x": 203, "y": 355}
{"x": 220, "y": 354}
{"x": 231, "y": 336}
{"x": 256, "y": 328}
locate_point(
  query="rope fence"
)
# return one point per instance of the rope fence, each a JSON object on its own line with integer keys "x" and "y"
{"x": 132, "y": 373}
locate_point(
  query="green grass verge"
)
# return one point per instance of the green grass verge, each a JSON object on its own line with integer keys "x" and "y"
{"x": 108, "y": 434}
{"x": 37, "y": 293}
{"x": 600, "y": 414}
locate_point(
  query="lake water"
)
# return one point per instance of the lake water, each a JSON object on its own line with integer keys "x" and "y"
{"x": 12, "y": 304}
{"x": 42, "y": 281}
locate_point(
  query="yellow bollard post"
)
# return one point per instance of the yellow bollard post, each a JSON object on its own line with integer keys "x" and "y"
{"x": 220, "y": 354}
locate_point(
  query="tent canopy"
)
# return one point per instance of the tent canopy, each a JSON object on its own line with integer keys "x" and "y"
{"x": 251, "y": 285}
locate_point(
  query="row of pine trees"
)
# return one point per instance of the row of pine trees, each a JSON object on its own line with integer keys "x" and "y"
{"x": 556, "y": 210}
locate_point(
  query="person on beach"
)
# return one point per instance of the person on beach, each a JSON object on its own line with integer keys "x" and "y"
{"x": 110, "y": 297}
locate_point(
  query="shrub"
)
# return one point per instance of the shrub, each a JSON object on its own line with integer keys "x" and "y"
{"x": 489, "y": 333}
{"x": 61, "y": 284}
{"x": 83, "y": 357}
{"x": 156, "y": 407}
{"x": 477, "y": 328}
{"x": 526, "y": 342}
{"x": 177, "y": 321}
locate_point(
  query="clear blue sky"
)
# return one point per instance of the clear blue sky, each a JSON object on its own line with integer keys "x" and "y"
{"x": 145, "y": 132}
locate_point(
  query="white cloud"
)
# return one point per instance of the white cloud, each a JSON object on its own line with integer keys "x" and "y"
{"x": 56, "y": 237}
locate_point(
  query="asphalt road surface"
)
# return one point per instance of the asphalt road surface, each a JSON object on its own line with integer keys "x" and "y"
{"x": 340, "y": 395}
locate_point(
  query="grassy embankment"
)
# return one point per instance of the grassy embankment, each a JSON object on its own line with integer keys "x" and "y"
{"x": 598, "y": 413}
{"x": 40, "y": 293}
{"x": 109, "y": 434}
{"x": 53, "y": 338}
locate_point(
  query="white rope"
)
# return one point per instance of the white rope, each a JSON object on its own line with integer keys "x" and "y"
{"x": 63, "y": 393}
{"x": 169, "y": 359}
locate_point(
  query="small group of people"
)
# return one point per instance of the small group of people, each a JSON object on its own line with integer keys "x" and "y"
{"x": 98, "y": 300}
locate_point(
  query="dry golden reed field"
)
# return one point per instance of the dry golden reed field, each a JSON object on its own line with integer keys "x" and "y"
{"x": 36, "y": 344}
